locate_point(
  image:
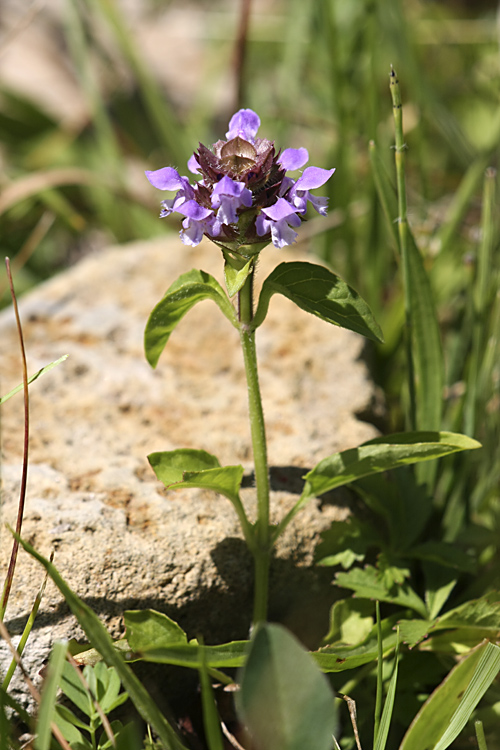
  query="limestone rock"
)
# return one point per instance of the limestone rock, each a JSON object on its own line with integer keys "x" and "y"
{"x": 120, "y": 539}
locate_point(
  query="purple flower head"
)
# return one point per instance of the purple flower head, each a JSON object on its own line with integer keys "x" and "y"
{"x": 243, "y": 196}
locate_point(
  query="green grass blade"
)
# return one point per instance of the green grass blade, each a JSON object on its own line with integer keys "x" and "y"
{"x": 484, "y": 674}
{"x": 101, "y": 640}
{"x": 385, "y": 722}
{"x": 49, "y": 693}
{"x": 32, "y": 378}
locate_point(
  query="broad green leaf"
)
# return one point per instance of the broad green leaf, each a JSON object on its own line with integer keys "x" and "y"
{"x": 50, "y": 687}
{"x": 445, "y": 713}
{"x": 367, "y": 582}
{"x": 483, "y": 612}
{"x": 190, "y": 468}
{"x": 285, "y": 701}
{"x": 146, "y": 628}
{"x": 32, "y": 378}
{"x": 180, "y": 297}
{"x": 195, "y": 468}
{"x": 381, "y": 454}
{"x": 236, "y": 277}
{"x": 318, "y": 291}
{"x": 101, "y": 640}
{"x": 351, "y": 621}
{"x": 338, "y": 657}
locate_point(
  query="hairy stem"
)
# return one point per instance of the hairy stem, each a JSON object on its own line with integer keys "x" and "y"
{"x": 263, "y": 543}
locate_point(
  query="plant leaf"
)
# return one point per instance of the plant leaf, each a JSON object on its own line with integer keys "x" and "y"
{"x": 380, "y": 454}
{"x": 318, "y": 291}
{"x": 49, "y": 693}
{"x": 180, "y": 297}
{"x": 368, "y": 583}
{"x": 236, "y": 277}
{"x": 32, "y": 378}
{"x": 285, "y": 700}
{"x": 385, "y": 722}
{"x": 195, "y": 468}
{"x": 338, "y": 657}
{"x": 146, "y": 628}
{"x": 190, "y": 655}
{"x": 445, "y": 713}
{"x": 351, "y": 621}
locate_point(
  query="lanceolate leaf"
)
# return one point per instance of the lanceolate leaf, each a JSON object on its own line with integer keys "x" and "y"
{"x": 285, "y": 701}
{"x": 318, "y": 291}
{"x": 190, "y": 288}
{"x": 380, "y": 454}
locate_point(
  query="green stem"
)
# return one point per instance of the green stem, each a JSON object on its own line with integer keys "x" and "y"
{"x": 400, "y": 152}
{"x": 263, "y": 544}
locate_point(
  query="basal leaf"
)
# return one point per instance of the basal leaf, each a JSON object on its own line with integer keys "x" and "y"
{"x": 285, "y": 701}
{"x": 190, "y": 288}
{"x": 318, "y": 291}
{"x": 367, "y": 582}
{"x": 146, "y": 628}
{"x": 346, "y": 542}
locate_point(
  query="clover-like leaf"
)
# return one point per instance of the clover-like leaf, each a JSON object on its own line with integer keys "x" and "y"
{"x": 180, "y": 297}
{"x": 318, "y": 291}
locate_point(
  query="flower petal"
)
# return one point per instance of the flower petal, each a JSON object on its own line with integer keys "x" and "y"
{"x": 313, "y": 177}
{"x": 166, "y": 178}
{"x": 293, "y": 158}
{"x": 282, "y": 209}
{"x": 244, "y": 123}
{"x": 193, "y": 210}
{"x": 193, "y": 164}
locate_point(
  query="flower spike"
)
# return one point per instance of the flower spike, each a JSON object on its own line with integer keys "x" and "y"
{"x": 244, "y": 196}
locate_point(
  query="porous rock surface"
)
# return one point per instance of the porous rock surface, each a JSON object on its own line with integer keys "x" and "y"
{"x": 121, "y": 540}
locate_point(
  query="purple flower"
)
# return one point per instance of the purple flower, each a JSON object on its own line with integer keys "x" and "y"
{"x": 243, "y": 196}
{"x": 279, "y": 220}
